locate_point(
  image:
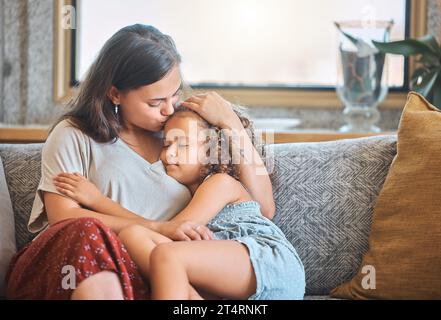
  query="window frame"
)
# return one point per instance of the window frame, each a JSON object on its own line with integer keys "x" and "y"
{"x": 290, "y": 96}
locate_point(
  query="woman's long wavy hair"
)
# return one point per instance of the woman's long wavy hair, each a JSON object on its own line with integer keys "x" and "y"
{"x": 135, "y": 56}
{"x": 220, "y": 145}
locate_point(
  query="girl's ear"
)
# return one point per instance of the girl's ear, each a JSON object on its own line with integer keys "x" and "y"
{"x": 114, "y": 95}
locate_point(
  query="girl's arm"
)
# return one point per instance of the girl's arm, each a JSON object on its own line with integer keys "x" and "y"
{"x": 253, "y": 174}
{"x": 210, "y": 198}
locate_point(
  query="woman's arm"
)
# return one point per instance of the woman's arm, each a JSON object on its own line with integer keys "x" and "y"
{"x": 59, "y": 208}
{"x": 210, "y": 198}
{"x": 253, "y": 174}
{"x": 252, "y": 171}
{"x": 85, "y": 193}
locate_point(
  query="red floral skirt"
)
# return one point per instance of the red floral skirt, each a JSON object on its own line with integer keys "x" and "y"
{"x": 86, "y": 246}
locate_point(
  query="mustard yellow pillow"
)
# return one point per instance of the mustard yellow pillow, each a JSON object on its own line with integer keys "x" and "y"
{"x": 404, "y": 256}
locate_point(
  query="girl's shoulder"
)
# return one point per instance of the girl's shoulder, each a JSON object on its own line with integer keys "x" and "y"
{"x": 223, "y": 182}
{"x": 222, "y": 178}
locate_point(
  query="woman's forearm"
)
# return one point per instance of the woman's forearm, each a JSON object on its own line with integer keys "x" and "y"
{"x": 115, "y": 223}
{"x": 253, "y": 173}
{"x": 108, "y": 207}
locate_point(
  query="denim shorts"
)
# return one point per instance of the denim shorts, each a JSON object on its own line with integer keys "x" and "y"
{"x": 279, "y": 272}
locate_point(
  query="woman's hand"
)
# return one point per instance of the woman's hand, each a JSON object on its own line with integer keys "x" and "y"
{"x": 215, "y": 109}
{"x": 184, "y": 230}
{"x": 75, "y": 186}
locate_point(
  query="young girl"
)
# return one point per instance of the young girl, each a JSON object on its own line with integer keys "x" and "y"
{"x": 249, "y": 257}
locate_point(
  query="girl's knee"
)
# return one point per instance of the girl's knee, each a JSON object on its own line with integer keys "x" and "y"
{"x": 163, "y": 253}
{"x": 138, "y": 233}
{"x": 104, "y": 285}
{"x": 133, "y": 231}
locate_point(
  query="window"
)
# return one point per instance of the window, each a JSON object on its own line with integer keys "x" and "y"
{"x": 283, "y": 51}
{"x": 242, "y": 42}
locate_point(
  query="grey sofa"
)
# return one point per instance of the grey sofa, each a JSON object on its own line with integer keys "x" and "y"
{"x": 324, "y": 192}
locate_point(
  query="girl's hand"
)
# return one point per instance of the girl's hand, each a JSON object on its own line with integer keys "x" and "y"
{"x": 75, "y": 186}
{"x": 215, "y": 109}
{"x": 185, "y": 230}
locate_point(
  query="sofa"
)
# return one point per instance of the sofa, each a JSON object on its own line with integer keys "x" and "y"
{"x": 324, "y": 192}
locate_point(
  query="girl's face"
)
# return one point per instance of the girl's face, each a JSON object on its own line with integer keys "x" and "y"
{"x": 184, "y": 148}
{"x": 150, "y": 106}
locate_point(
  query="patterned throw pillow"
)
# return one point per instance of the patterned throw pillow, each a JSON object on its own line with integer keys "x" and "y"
{"x": 325, "y": 193}
{"x": 7, "y": 234}
{"x": 22, "y": 170}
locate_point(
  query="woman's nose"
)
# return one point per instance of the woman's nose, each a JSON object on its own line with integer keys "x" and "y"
{"x": 168, "y": 110}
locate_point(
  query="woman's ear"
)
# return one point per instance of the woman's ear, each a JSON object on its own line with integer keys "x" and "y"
{"x": 114, "y": 95}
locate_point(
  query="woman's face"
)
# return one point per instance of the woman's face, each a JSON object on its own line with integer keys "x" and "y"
{"x": 150, "y": 106}
{"x": 184, "y": 149}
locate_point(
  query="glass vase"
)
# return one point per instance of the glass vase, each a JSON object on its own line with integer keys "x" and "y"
{"x": 362, "y": 77}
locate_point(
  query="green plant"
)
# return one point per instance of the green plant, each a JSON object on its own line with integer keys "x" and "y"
{"x": 426, "y": 79}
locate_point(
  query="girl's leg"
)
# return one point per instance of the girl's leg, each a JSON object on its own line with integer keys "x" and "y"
{"x": 140, "y": 242}
{"x": 221, "y": 267}
{"x": 104, "y": 285}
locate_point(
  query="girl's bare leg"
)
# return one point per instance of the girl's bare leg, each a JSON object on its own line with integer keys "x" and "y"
{"x": 140, "y": 242}
{"x": 222, "y": 267}
{"x": 104, "y": 285}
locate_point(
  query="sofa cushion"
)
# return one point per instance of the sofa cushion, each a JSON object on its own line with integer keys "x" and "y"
{"x": 22, "y": 170}
{"x": 7, "y": 229}
{"x": 325, "y": 193}
{"x": 404, "y": 257}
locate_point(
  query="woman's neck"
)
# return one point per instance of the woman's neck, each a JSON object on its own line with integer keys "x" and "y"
{"x": 136, "y": 135}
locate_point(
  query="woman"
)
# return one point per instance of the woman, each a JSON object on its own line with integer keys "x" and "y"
{"x": 112, "y": 137}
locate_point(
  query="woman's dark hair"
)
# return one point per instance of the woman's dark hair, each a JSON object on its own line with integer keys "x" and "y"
{"x": 135, "y": 56}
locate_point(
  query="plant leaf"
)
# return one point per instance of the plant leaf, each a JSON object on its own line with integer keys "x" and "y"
{"x": 420, "y": 72}
{"x": 347, "y": 35}
{"x": 405, "y": 47}
{"x": 431, "y": 42}
{"x": 437, "y": 93}
{"x": 429, "y": 61}
{"x": 426, "y": 85}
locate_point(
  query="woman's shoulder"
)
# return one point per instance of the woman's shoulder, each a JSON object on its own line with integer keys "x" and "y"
{"x": 66, "y": 127}
{"x": 65, "y": 133}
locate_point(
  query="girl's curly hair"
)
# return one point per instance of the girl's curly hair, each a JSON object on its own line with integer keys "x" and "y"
{"x": 222, "y": 159}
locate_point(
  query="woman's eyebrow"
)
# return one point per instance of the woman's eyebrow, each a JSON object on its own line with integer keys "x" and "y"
{"x": 180, "y": 87}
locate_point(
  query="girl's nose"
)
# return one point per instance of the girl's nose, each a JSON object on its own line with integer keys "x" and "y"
{"x": 171, "y": 154}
